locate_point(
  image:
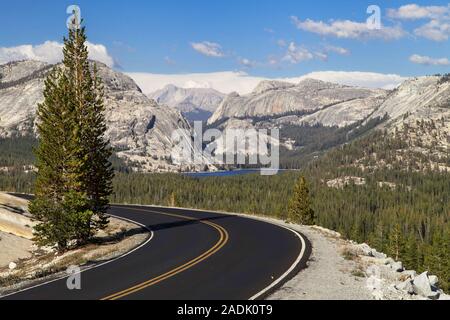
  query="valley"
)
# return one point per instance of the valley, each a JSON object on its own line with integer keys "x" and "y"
{"x": 377, "y": 160}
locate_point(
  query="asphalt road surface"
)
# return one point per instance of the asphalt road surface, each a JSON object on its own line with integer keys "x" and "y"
{"x": 190, "y": 255}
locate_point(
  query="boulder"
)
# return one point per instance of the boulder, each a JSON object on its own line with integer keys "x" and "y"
{"x": 397, "y": 266}
{"x": 389, "y": 261}
{"x": 406, "y": 286}
{"x": 423, "y": 287}
{"x": 410, "y": 273}
{"x": 12, "y": 266}
{"x": 378, "y": 255}
{"x": 434, "y": 295}
{"x": 374, "y": 283}
{"x": 434, "y": 280}
{"x": 378, "y": 295}
{"x": 365, "y": 249}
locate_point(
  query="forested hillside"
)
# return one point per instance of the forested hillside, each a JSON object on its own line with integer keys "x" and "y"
{"x": 363, "y": 189}
{"x": 403, "y": 210}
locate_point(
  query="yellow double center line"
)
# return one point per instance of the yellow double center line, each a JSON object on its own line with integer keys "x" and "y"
{"x": 223, "y": 239}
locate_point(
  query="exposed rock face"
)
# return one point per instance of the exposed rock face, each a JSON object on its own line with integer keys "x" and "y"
{"x": 417, "y": 112}
{"x": 197, "y": 104}
{"x": 322, "y": 102}
{"x": 138, "y": 128}
{"x": 15, "y": 71}
{"x": 21, "y": 87}
{"x": 420, "y": 109}
{"x": 417, "y": 95}
{"x": 422, "y": 286}
{"x": 268, "y": 85}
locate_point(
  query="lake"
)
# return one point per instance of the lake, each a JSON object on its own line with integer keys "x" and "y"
{"x": 227, "y": 173}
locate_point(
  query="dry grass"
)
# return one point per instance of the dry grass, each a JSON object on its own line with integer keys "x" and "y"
{"x": 349, "y": 254}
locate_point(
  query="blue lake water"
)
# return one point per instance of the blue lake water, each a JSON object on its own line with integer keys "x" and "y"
{"x": 226, "y": 173}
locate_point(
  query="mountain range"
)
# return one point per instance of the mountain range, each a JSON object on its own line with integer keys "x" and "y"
{"x": 140, "y": 126}
{"x": 139, "y": 129}
{"x": 418, "y": 111}
{"x": 196, "y": 104}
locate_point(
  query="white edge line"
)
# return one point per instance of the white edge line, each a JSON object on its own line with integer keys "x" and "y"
{"x": 288, "y": 272}
{"x": 276, "y": 282}
{"x": 95, "y": 266}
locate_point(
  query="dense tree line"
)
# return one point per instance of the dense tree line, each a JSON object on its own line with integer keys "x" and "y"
{"x": 314, "y": 140}
{"x": 17, "y": 152}
{"x": 400, "y": 209}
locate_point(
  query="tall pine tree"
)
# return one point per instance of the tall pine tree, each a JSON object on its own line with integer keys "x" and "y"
{"x": 300, "y": 210}
{"x": 74, "y": 174}
{"x": 396, "y": 242}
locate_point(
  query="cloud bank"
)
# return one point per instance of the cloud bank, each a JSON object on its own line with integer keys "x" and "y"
{"x": 347, "y": 29}
{"x": 51, "y": 52}
{"x": 438, "y": 26}
{"x": 209, "y": 49}
{"x": 243, "y": 83}
{"x": 428, "y": 61}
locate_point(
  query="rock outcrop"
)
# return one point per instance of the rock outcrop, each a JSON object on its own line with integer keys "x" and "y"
{"x": 139, "y": 129}
{"x": 389, "y": 280}
{"x": 420, "y": 109}
{"x": 197, "y": 104}
{"x": 323, "y": 102}
{"x": 417, "y": 112}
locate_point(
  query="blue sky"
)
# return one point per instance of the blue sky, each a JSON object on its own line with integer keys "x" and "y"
{"x": 260, "y": 37}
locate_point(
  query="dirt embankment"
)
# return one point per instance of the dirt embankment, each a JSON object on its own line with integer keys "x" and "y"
{"x": 22, "y": 263}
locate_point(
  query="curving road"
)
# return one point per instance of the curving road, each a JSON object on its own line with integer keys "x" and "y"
{"x": 190, "y": 255}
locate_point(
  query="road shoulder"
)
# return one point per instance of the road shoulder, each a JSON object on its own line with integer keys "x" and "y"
{"x": 31, "y": 266}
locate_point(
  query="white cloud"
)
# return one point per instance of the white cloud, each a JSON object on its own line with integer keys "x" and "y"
{"x": 273, "y": 61}
{"x": 281, "y": 43}
{"x": 51, "y": 52}
{"x": 357, "y": 78}
{"x": 438, "y": 26}
{"x": 297, "y": 54}
{"x": 338, "y": 50}
{"x": 226, "y": 82}
{"x": 346, "y": 29}
{"x": 434, "y": 30}
{"x": 247, "y": 63}
{"x": 209, "y": 49}
{"x": 99, "y": 52}
{"x": 425, "y": 60}
{"x": 243, "y": 83}
{"x": 416, "y": 12}
{"x": 321, "y": 55}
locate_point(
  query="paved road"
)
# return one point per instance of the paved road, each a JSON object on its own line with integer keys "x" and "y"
{"x": 191, "y": 255}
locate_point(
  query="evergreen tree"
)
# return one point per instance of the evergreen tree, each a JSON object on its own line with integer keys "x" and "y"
{"x": 300, "y": 210}
{"x": 396, "y": 242}
{"x": 437, "y": 257}
{"x": 377, "y": 239}
{"x": 74, "y": 174}
{"x": 173, "y": 200}
{"x": 410, "y": 258}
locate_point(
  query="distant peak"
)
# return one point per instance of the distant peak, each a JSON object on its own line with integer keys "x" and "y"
{"x": 171, "y": 87}
{"x": 267, "y": 85}
{"x": 308, "y": 82}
